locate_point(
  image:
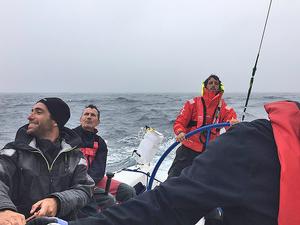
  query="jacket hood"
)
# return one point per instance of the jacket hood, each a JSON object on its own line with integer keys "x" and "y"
{"x": 209, "y": 95}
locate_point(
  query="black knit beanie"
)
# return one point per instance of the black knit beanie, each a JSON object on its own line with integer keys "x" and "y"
{"x": 59, "y": 110}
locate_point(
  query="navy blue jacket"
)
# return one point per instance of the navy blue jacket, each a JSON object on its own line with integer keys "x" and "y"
{"x": 97, "y": 169}
{"x": 239, "y": 171}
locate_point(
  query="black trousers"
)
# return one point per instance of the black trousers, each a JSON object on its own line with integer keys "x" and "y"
{"x": 184, "y": 158}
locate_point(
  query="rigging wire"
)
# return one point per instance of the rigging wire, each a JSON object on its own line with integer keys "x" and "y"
{"x": 257, "y": 57}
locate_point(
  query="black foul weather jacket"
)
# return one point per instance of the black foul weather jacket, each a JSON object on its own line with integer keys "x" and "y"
{"x": 239, "y": 171}
{"x": 26, "y": 176}
{"x": 97, "y": 168}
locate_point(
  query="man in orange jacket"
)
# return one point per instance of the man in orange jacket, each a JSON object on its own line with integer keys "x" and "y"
{"x": 200, "y": 111}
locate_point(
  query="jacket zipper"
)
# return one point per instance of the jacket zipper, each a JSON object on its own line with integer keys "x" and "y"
{"x": 59, "y": 155}
{"x": 48, "y": 165}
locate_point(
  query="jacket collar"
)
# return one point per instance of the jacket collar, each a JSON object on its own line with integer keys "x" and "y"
{"x": 211, "y": 95}
{"x": 69, "y": 138}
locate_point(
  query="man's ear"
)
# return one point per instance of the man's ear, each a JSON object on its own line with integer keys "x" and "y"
{"x": 54, "y": 123}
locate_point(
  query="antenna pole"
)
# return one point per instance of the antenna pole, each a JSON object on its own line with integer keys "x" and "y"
{"x": 256, "y": 61}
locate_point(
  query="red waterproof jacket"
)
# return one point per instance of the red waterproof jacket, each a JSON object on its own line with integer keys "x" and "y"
{"x": 201, "y": 111}
{"x": 285, "y": 120}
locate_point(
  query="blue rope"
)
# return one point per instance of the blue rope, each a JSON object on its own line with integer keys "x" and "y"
{"x": 164, "y": 155}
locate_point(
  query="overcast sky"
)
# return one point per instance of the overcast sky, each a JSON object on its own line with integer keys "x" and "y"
{"x": 147, "y": 45}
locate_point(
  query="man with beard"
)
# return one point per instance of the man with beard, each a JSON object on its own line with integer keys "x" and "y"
{"x": 202, "y": 110}
{"x": 43, "y": 172}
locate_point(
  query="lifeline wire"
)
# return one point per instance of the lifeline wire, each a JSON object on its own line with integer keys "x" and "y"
{"x": 254, "y": 68}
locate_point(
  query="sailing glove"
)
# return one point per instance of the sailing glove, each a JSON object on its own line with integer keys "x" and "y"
{"x": 47, "y": 221}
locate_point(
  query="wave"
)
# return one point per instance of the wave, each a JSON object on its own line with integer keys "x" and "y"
{"x": 134, "y": 110}
{"x": 128, "y": 140}
{"x": 143, "y": 118}
{"x": 273, "y": 97}
{"x": 125, "y": 100}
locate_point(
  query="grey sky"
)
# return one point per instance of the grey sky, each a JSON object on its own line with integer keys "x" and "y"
{"x": 147, "y": 45}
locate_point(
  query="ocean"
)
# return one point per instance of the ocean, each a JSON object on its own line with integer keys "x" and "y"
{"x": 124, "y": 115}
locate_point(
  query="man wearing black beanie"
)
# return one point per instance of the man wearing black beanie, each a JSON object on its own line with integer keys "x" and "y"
{"x": 59, "y": 110}
{"x": 43, "y": 173}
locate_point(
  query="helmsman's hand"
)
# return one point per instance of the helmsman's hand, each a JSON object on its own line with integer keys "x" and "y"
{"x": 180, "y": 137}
{"x": 46, "y": 221}
{"x": 233, "y": 121}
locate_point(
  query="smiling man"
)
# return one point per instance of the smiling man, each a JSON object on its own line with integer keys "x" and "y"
{"x": 43, "y": 173}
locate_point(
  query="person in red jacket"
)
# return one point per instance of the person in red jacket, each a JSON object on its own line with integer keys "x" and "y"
{"x": 200, "y": 111}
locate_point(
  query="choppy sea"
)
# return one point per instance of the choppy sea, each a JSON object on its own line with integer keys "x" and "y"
{"x": 123, "y": 116}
